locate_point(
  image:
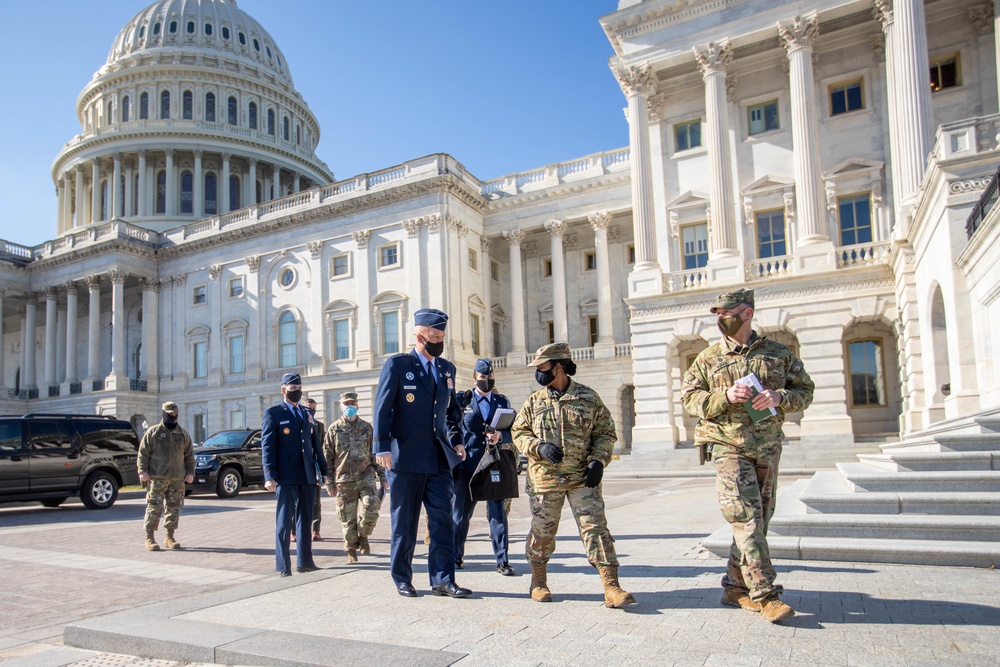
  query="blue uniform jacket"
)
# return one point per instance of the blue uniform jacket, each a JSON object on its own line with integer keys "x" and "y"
{"x": 289, "y": 447}
{"x": 475, "y": 427}
{"x": 414, "y": 418}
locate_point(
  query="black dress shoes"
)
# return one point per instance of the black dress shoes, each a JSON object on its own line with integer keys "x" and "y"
{"x": 306, "y": 568}
{"x": 451, "y": 589}
{"x": 406, "y": 590}
{"x": 284, "y": 574}
{"x": 506, "y": 570}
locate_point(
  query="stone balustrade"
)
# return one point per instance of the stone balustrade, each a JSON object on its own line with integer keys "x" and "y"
{"x": 681, "y": 281}
{"x": 863, "y": 254}
{"x": 596, "y": 164}
{"x": 770, "y": 267}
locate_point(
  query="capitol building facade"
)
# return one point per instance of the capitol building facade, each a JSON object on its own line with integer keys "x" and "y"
{"x": 834, "y": 155}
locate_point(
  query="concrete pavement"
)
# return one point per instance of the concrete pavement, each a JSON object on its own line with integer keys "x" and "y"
{"x": 84, "y": 576}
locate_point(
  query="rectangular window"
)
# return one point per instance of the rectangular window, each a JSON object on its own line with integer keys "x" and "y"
{"x": 687, "y": 135}
{"x": 494, "y": 271}
{"x": 497, "y": 342}
{"x": 388, "y": 256}
{"x": 695, "y": 245}
{"x": 763, "y": 117}
{"x": 855, "y": 219}
{"x": 546, "y": 268}
{"x": 236, "y": 287}
{"x": 236, "y": 354}
{"x": 592, "y": 323}
{"x": 474, "y": 332}
{"x": 551, "y": 329}
{"x": 198, "y": 431}
{"x": 237, "y": 419}
{"x": 630, "y": 253}
{"x": 945, "y": 73}
{"x": 340, "y": 265}
{"x": 473, "y": 259}
{"x": 341, "y": 339}
{"x": 390, "y": 332}
{"x": 846, "y": 97}
{"x": 771, "y": 234}
{"x": 200, "y": 369}
{"x": 200, "y": 295}
{"x": 867, "y": 373}
{"x": 590, "y": 260}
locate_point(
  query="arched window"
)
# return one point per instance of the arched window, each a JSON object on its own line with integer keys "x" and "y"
{"x": 104, "y": 200}
{"x": 110, "y": 118}
{"x": 231, "y": 108}
{"x": 287, "y": 334}
{"x": 298, "y": 135}
{"x": 156, "y": 28}
{"x": 210, "y": 107}
{"x": 284, "y": 128}
{"x": 188, "y": 105}
{"x": 142, "y": 31}
{"x": 125, "y": 109}
{"x": 161, "y": 192}
{"x": 187, "y": 192}
{"x": 208, "y": 29}
{"x": 173, "y": 27}
{"x": 144, "y": 106}
{"x": 270, "y": 122}
{"x": 234, "y": 193}
{"x": 190, "y": 27}
{"x": 211, "y": 193}
{"x": 252, "y": 111}
{"x": 165, "y": 104}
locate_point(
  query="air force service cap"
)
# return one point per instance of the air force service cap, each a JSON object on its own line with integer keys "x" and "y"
{"x": 291, "y": 378}
{"x": 430, "y": 317}
{"x": 484, "y": 366}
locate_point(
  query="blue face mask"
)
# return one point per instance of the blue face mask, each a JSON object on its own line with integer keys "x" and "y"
{"x": 351, "y": 411}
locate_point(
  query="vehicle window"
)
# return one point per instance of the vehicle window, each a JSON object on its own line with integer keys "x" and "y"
{"x": 10, "y": 436}
{"x": 226, "y": 439}
{"x": 100, "y": 434}
{"x": 255, "y": 443}
{"x": 48, "y": 435}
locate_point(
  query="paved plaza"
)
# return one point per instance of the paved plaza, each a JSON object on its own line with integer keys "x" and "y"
{"x": 85, "y": 576}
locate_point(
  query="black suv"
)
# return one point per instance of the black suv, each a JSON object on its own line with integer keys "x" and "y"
{"x": 227, "y": 461}
{"x": 52, "y": 457}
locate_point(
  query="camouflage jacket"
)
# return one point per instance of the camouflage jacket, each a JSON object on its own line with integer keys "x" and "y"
{"x": 717, "y": 368}
{"x": 348, "y": 450}
{"x": 166, "y": 454}
{"x": 578, "y": 420}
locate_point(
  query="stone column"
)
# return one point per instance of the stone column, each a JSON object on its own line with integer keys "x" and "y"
{"x": 638, "y": 83}
{"x": 115, "y": 191}
{"x": 150, "y": 331}
{"x": 910, "y": 66}
{"x": 514, "y": 238}
{"x": 3, "y": 348}
{"x": 30, "y": 323}
{"x": 60, "y": 341}
{"x": 117, "y": 328}
{"x": 883, "y": 12}
{"x": 251, "y": 187}
{"x": 605, "y": 347}
{"x": 67, "y": 210}
{"x": 80, "y": 197}
{"x": 129, "y": 204}
{"x": 171, "y": 204}
{"x": 198, "y": 189}
{"x": 276, "y": 183}
{"x": 94, "y": 329}
{"x": 61, "y": 207}
{"x": 296, "y": 182}
{"x": 556, "y": 229}
{"x": 996, "y": 43}
{"x": 51, "y": 305}
{"x": 486, "y": 347}
{"x": 95, "y": 191}
{"x": 72, "y": 308}
{"x": 222, "y": 206}
{"x": 143, "y": 193}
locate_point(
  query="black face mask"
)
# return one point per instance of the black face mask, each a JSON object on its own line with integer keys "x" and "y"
{"x": 293, "y": 396}
{"x": 545, "y": 378}
{"x": 169, "y": 420}
{"x": 485, "y": 385}
{"x": 433, "y": 349}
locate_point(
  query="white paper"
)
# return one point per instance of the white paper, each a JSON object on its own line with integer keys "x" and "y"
{"x": 753, "y": 381}
{"x": 499, "y": 414}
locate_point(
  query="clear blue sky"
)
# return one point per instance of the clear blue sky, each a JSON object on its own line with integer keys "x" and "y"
{"x": 502, "y": 86}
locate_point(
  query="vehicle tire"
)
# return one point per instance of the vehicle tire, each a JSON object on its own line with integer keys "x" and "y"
{"x": 100, "y": 490}
{"x": 53, "y": 502}
{"x": 229, "y": 483}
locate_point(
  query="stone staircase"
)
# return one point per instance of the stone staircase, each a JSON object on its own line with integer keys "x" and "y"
{"x": 932, "y": 499}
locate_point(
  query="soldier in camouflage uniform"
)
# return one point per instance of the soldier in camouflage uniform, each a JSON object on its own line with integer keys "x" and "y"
{"x": 568, "y": 435}
{"x": 746, "y": 453}
{"x": 166, "y": 462}
{"x": 348, "y": 450}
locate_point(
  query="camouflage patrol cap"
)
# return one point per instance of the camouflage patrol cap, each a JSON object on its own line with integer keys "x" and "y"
{"x": 551, "y": 352}
{"x": 169, "y": 406}
{"x": 349, "y": 396}
{"x": 733, "y": 299}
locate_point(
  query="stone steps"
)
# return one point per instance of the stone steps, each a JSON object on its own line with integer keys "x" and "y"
{"x": 926, "y": 461}
{"x": 863, "y": 477}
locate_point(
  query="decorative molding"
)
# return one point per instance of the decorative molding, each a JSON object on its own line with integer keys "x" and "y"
{"x": 877, "y": 42}
{"x": 412, "y": 226}
{"x": 253, "y": 263}
{"x": 799, "y": 33}
{"x": 882, "y": 12}
{"x": 636, "y": 80}
{"x": 556, "y": 227}
{"x": 599, "y": 220}
{"x": 485, "y": 244}
{"x": 361, "y": 237}
{"x": 117, "y": 276}
{"x": 981, "y": 18}
{"x": 513, "y": 236}
{"x": 713, "y": 58}
{"x": 656, "y": 105}
{"x": 731, "y": 80}
{"x": 570, "y": 242}
{"x": 94, "y": 281}
{"x": 315, "y": 248}
{"x": 969, "y": 185}
{"x": 215, "y": 271}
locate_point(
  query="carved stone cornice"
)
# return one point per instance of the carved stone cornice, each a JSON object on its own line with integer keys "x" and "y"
{"x": 713, "y": 58}
{"x": 636, "y": 80}
{"x": 882, "y": 12}
{"x": 799, "y": 33}
{"x": 513, "y": 236}
{"x": 599, "y": 220}
{"x": 361, "y": 237}
{"x": 215, "y": 271}
{"x": 315, "y": 248}
{"x": 253, "y": 263}
{"x": 556, "y": 227}
{"x": 981, "y": 18}
{"x": 94, "y": 281}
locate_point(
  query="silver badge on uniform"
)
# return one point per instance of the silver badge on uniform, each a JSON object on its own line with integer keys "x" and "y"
{"x": 409, "y": 376}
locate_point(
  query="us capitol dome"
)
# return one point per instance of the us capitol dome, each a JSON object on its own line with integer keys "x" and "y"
{"x": 194, "y": 114}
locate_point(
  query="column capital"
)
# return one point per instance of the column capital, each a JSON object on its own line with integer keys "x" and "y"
{"x": 485, "y": 244}
{"x": 94, "y": 281}
{"x": 31, "y": 297}
{"x": 315, "y": 248}
{"x": 215, "y": 271}
{"x": 636, "y": 80}
{"x": 513, "y": 236}
{"x": 599, "y": 220}
{"x": 252, "y": 162}
{"x": 253, "y": 263}
{"x": 227, "y": 156}
{"x": 117, "y": 157}
{"x": 198, "y": 154}
{"x": 117, "y": 276}
{"x": 799, "y": 33}
{"x": 149, "y": 284}
{"x": 51, "y": 293}
{"x": 981, "y": 18}
{"x": 714, "y": 57}
{"x": 361, "y": 237}
{"x": 141, "y": 153}
{"x": 556, "y": 228}
{"x": 412, "y": 226}
{"x": 655, "y": 105}
{"x": 3, "y": 292}
{"x": 179, "y": 279}
{"x": 877, "y": 42}
{"x": 882, "y": 12}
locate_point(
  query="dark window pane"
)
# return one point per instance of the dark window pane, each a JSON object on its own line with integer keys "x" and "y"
{"x": 854, "y": 97}
{"x": 838, "y": 102}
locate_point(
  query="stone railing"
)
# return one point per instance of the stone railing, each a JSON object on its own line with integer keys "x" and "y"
{"x": 623, "y": 350}
{"x": 680, "y": 281}
{"x": 582, "y": 354}
{"x": 863, "y": 254}
{"x": 53, "y": 390}
{"x": 770, "y": 267}
{"x": 498, "y": 362}
{"x": 274, "y": 374}
{"x": 20, "y": 254}
{"x": 93, "y": 234}
{"x": 590, "y": 166}
{"x": 137, "y": 385}
{"x": 18, "y": 394}
{"x": 97, "y": 385}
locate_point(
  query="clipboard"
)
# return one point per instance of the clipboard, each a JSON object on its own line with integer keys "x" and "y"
{"x": 503, "y": 419}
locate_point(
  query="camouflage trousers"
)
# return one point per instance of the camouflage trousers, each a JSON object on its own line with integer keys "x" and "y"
{"x": 588, "y": 510}
{"x": 162, "y": 493}
{"x": 746, "y": 482}
{"x": 357, "y": 509}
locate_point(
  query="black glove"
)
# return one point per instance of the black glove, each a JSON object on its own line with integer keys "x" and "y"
{"x": 551, "y": 453}
{"x": 594, "y": 473}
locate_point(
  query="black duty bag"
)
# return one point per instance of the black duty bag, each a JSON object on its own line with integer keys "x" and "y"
{"x": 496, "y": 476}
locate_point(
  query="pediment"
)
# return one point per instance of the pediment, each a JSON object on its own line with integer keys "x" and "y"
{"x": 767, "y": 182}
{"x": 853, "y": 166}
{"x": 689, "y": 199}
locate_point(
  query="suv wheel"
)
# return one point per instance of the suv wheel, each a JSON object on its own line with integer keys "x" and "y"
{"x": 100, "y": 490}
{"x": 53, "y": 502}
{"x": 229, "y": 483}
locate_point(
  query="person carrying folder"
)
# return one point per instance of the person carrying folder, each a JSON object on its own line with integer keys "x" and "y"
{"x": 740, "y": 389}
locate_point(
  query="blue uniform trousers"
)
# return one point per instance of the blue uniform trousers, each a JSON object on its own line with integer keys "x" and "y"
{"x": 288, "y": 496}
{"x": 462, "y": 515}
{"x": 407, "y": 491}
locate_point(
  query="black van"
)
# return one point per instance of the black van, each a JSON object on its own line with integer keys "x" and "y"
{"x": 51, "y": 457}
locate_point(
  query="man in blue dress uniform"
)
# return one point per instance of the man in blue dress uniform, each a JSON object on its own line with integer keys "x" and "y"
{"x": 294, "y": 467}
{"x": 418, "y": 439}
{"x": 480, "y": 405}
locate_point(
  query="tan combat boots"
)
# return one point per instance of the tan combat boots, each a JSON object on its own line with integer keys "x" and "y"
{"x": 614, "y": 596}
{"x": 539, "y": 583}
{"x": 151, "y": 544}
{"x": 170, "y": 542}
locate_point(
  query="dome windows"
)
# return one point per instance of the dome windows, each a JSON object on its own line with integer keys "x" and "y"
{"x": 256, "y": 44}
{"x": 187, "y": 105}
{"x": 165, "y": 104}
{"x": 208, "y": 29}
{"x": 231, "y": 109}
{"x": 210, "y": 107}
{"x": 225, "y": 32}
{"x": 156, "y": 28}
{"x": 142, "y": 31}
{"x": 190, "y": 27}
{"x": 144, "y": 106}
{"x": 125, "y": 109}
{"x": 243, "y": 39}
{"x": 284, "y": 128}
{"x": 268, "y": 49}
{"x": 270, "y": 122}
{"x": 253, "y": 115}
{"x": 173, "y": 27}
